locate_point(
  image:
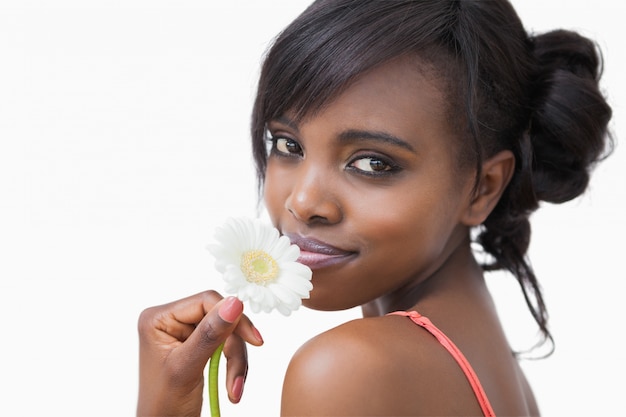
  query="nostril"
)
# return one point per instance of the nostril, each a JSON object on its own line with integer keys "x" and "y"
{"x": 318, "y": 219}
{"x": 312, "y": 202}
{"x": 319, "y": 215}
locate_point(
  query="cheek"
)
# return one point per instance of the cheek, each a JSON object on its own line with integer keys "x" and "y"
{"x": 411, "y": 221}
{"x": 274, "y": 193}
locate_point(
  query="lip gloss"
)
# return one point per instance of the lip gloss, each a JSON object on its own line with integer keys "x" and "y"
{"x": 317, "y": 254}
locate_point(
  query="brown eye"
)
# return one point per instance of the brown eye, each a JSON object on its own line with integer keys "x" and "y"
{"x": 371, "y": 165}
{"x": 288, "y": 146}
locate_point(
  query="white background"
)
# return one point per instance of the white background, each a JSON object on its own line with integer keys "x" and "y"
{"x": 124, "y": 142}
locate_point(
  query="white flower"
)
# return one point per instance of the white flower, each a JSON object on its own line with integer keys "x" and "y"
{"x": 260, "y": 266}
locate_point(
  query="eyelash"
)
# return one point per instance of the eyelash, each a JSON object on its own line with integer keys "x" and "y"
{"x": 392, "y": 168}
{"x": 274, "y": 147}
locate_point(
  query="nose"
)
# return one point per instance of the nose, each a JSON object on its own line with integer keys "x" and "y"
{"x": 312, "y": 198}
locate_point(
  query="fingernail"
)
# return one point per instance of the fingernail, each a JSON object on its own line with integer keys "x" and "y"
{"x": 238, "y": 388}
{"x": 257, "y": 335}
{"x": 230, "y": 309}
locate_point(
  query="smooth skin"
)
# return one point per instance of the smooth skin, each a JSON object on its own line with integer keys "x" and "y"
{"x": 176, "y": 341}
{"x": 376, "y": 175}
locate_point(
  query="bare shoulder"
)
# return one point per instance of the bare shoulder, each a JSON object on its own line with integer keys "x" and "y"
{"x": 374, "y": 366}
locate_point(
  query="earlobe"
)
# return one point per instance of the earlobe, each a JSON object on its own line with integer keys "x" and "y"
{"x": 495, "y": 177}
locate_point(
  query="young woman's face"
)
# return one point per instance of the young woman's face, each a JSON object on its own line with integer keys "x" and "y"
{"x": 369, "y": 187}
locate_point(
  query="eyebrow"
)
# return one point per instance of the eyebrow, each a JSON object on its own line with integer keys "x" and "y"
{"x": 356, "y": 135}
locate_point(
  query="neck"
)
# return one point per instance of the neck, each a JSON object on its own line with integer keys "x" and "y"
{"x": 458, "y": 276}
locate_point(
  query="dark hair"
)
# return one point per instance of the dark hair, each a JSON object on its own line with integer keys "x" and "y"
{"x": 537, "y": 96}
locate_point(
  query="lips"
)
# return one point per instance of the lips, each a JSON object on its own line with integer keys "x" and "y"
{"x": 317, "y": 254}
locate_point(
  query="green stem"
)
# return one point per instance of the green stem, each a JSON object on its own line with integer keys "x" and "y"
{"x": 214, "y": 365}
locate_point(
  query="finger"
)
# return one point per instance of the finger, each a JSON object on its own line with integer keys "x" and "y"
{"x": 186, "y": 313}
{"x": 192, "y": 309}
{"x": 175, "y": 321}
{"x": 210, "y": 333}
{"x": 236, "y": 367}
{"x": 245, "y": 328}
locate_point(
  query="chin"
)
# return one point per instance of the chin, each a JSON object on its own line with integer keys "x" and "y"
{"x": 329, "y": 302}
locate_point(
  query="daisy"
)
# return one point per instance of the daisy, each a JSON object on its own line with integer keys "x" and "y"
{"x": 260, "y": 267}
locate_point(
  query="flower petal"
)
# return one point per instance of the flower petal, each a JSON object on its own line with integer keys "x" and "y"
{"x": 285, "y": 295}
{"x": 280, "y": 247}
{"x": 282, "y": 290}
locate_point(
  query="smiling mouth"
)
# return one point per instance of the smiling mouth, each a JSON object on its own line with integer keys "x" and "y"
{"x": 317, "y": 254}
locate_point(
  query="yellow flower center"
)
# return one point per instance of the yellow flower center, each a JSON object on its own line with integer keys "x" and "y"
{"x": 259, "y": 267}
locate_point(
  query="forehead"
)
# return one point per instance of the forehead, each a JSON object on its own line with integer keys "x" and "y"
{"x": 401, "y": 96}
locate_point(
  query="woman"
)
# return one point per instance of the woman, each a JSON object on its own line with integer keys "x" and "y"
{"x": 400, "y": 133}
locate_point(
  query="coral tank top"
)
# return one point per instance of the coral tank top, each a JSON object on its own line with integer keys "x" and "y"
{"x": 424, "y": 322}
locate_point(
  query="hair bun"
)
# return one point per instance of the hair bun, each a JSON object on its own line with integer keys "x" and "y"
{"x": 570, "y": 118}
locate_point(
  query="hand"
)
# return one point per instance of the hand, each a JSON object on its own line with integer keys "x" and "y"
{"x": 176, "y": 341}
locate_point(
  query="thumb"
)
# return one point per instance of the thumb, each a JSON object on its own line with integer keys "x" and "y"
{"x": 209, "y": 334}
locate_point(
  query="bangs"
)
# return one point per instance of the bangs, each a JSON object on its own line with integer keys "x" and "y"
{"x": 332, "y": 43}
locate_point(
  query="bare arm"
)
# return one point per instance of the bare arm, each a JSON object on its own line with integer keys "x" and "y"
{"x": 340, "y": 373}
{"x": 375, "y": 367}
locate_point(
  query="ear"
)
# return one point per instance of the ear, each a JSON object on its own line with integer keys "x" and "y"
{"x": 496, "y": 174}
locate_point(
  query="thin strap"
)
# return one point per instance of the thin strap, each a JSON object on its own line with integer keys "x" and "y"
{"x": 456, "y": 354}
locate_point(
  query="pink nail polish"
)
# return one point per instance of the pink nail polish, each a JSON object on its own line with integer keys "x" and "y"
{"x": 238, "y": 388}
{"x": 257, "y": 335}
{"x": 230, "y": 309}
